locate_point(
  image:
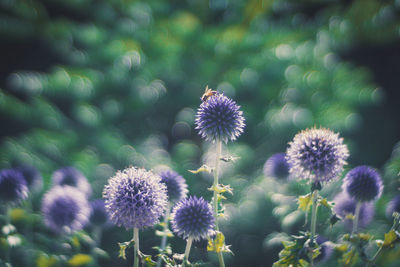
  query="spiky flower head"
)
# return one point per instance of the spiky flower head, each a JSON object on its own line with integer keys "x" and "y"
{"x": 393, "y": 206}
{"x": 363, "y": 183}
{"x": 219, "y": 118}
{"x": 72, "y": 177}
{"x": 326, "y": 249}
{"x": 317, "y": 154}
{"x": 193, "y": 217}
{"x": 32, "y": 176}
{"x": 345, "y": 205}
{"x": 277, "y": 166}
{"x": 176, "y": 185}
{"x": 135, "y": 198}
{"x": 98, "y": 213}
{"x": 65, "y": 209}
{"x": 12, "y": 186}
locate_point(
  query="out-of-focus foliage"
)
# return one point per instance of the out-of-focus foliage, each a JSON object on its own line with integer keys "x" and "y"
{"x": 104, "y": 84}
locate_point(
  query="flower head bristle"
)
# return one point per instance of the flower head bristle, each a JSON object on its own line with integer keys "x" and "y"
{"x": 363, "y": 183}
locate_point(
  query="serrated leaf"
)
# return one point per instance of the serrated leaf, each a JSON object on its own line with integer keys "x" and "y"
{"x": 305, "y": 202}
{"x": 218, "y": 244}
{"x": 166, "y": 233}
{"x": 349, "y": 258}
{"x": 365, "y": 237}
{"x": 324, "y": 202}
{"x": 203, "y": 168}
{"x": 122, "y": 248}
{"x": 229, "y": 159}
{"x": 220, "y": 189}
{"x": 390, "y": 239}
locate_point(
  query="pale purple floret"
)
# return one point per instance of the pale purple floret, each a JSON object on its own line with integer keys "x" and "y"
{"x": 219, "y": 118}
{"x": 135, "y": 198}
{"x": 345, "y": 205}
{"x": 363, "y": 183}
{"x": 65, "y": 209}
{"x": 276, "y": 166}
{"x": 193, "y": 217}
{"x": 13, "y": 187}
{"x": 176, "y": 185}
{"x": 317, "y": 154}
{"x": 72, "y": 177}
{"x": 393, "y": 206}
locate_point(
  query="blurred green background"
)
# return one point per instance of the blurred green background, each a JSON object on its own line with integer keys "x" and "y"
{"x": 101, "y": 85}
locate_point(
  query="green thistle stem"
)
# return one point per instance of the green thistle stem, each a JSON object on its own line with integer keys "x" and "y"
{"x": 356, "y": 217}
{"x": 187, "y": 250}
{"x": 136, "y": 246}
{"x": 314, "y": 219}
{"x": 215, "y": 195}
{"x": 165, "y": 228}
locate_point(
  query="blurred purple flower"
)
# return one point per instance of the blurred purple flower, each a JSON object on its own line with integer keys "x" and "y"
{"x": 277, "y": 166}
{"x": 72, "y": 177}
{"x": 317, "y": 154}
{"x": 135, "y": 198}
{"x": 98, "y": 213}
{"x": 13, "y": 187}
{"x": 176, "y": 185}
{"x": 345, "y": 205}
{"x": 393, "y": 206}
{"x": 219, "y": 118}
{"x": 326, "y": 249}
{"x": 65, "y": 209}
{"x": 363, "y": 183}
{"x": 32, "y": 176}
{"x": 193, "y": 217}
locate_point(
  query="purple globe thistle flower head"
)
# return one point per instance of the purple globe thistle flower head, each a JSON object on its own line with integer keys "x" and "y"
{"x": 176, "y": 185}
{"x": 363, "y": 183}
{"x": 135, "y": 198}
{"x": 393, "y": 206}
{"x": 317, "y": 154}
{"x": 345, "y": 205}
{"x": 32, "y": 176}
{"x": 98, "y": 213}
{"x": 13, "y": 187}
{"x": 65, "y": 209}
{"x": 72, "y": 177}
{"x": 219, "y": 118}
{"x": 193, "y": 217}
{"x": 277, "y": 166}
{"x": 326, "y": 249}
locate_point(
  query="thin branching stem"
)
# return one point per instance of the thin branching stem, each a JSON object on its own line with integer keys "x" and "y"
{"x": 356, "y": 217}
{"x": 136, "y": 246}
{"x": 165, "y": 228}
{"x": 314, "y": 211}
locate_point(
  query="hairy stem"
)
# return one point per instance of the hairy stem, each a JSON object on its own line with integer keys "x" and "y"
{"x": 356, "y": 216}
{"x": 314, "y": 219}
{"x": 187, "y": 250}
{"x": 165, "y": 228}
{"x": 136, "y": 247}
{"x": 215, "y": 195}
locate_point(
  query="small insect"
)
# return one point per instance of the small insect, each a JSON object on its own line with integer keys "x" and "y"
{"x": 208, "y": 93}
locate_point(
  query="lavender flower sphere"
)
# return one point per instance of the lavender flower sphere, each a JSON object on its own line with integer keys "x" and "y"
{"x": 345, "y": 205}
{"x": 135, "y": 198}
{"x": 176, "y": 186}
{"x": 219, "y": 118}
{"x": 72, "y": 177}
{"x": 98, "y": 213}
{"x": 65, "y": 209}
{"x": 13, "y": 186}
{"x": 32, "y": 176}
{"x": 276, "y": 166}
{"x": 393, "y": 206}
{"x": 326, "y": 249}
{"x": 317, "y": 154}
{"x": 363, "y": 183}
{"x": 193, "y": 217}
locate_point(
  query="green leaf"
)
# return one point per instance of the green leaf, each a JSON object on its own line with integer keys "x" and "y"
{"x": 46, "y": 261}
{"x": 203, "y": 168}
{"x": 218, "y": 244}
{"x": 390, "y": 239}
{"x": 123, "y": 246}
{"x": 166, "y": 233}
{"x": 305, "y": 202}
{"x": 80, "y": 260}
{"x": 349, "y": 258}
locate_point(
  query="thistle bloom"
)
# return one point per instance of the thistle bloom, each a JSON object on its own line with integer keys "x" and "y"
{"x": 72, "y": 177}
{"x": 32, "y": 176}
{"x": 363, "y": 183}
{"x": 12, "y": 186}
{"x": 193, "y": 217}
{"x": 345, "y": 205}
{"x": 317, "y": 154}
{"x": 176, "y": 186}
{"x": 325, "y": 250}
{"x": 219, "y": 118}
{"x": 98, "y": 213}
{"x": 65, "y": 209}
{"x": 276, "y": 166}
{"x": 393, "y": 206}
{"x": 135, "y": 198}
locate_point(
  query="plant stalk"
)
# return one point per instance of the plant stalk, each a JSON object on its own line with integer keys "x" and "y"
{"x": 356, "y": 217}
{"x": 187, "y": 250}
{"x": 136, "y": 246}
{"x": 165, "y": 228}
{"x": 314, "y": 219}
